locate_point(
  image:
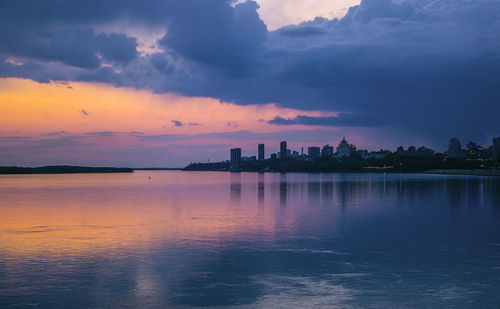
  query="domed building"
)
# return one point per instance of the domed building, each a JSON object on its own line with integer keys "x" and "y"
{"x": 345, "y": 149}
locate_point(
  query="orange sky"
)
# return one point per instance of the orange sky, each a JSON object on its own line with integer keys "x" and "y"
{"x": 98, "y": 124}
{"x": 28, "y": 108}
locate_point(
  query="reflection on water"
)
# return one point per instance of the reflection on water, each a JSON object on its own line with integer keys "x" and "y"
{"x": 246, "y": 239}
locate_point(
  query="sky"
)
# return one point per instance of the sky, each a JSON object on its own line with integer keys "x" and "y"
{"x": 167, "y": 82}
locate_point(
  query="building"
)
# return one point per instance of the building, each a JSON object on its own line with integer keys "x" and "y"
{"x": 455, "y": 148}
{"x": 474, "y": 151}
{"x": 314, "y": 152}
{"x": 344, "y": 149}
{"x": 261, "y": 152}
{"x": 327, "y": 151}
{"x": 283, "y": 149}
{"x": 235, "y": 157}
{"x": 496, "y": 149}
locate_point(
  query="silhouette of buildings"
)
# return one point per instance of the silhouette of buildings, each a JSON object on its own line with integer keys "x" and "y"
{"x": 313, "y": 152}
{"x": 327, "y": 151}
{"x": 473, "y": 151}
{"x": 496, "y": 149}
{"x": 455, "y": 148}
{"x": 344, "y": 149}
{"x": 283, "y": 150}
{"x": 235, "y": 157}
{"x": 261, "y": 152}
{"x": 473, "y": 156}
{"x": 425, "y": 152}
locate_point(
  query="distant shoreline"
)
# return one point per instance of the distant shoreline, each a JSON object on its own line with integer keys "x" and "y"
{"x": 67, "y": 169}
{"x": 61, "y": 169}
{"x": 159, "y": 169}
{"x": 493, "y": 173}
{"x": 464, "y": 172}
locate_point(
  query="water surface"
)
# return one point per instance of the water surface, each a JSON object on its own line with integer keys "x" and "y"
{"x": 203, "y": 239}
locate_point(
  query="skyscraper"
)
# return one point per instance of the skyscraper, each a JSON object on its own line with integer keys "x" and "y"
{"x": 261, "y": 152}
{"x": 455, "y": 148}
{"x": 235, "y": 157}
{"x": 283, "y": 150}
{"x": 496, "y": 149}
{"x": 314, "y": 152}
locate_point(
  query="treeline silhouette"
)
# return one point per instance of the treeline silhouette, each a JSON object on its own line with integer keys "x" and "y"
{"x": 62, "y": 169}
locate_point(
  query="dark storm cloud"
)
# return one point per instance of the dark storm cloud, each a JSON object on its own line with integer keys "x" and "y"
{"x": 301, "y": 31}
{"x": 341, "y": 120}
{"x": 429, "y": 67}
{"x": 75, "y": 47}
{"x": 215, "y": 34}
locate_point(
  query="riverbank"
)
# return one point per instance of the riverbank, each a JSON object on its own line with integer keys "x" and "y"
{"x": 464, "y": 172}
{"x": 61, "y": 169}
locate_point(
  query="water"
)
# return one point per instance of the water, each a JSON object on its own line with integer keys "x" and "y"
{"x": 203, "y": 239}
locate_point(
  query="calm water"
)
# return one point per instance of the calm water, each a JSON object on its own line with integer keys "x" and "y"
{"x": 249, "y": 240}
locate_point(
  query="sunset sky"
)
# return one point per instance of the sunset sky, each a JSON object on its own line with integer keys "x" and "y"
{"x": 161, "y": 83}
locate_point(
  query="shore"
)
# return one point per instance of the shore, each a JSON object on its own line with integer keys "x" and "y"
{"x": 61, "y": 169}
{"x": 464, "y": 172}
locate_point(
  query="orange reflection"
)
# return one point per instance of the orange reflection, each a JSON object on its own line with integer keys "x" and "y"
{"x": 52, "y": 215}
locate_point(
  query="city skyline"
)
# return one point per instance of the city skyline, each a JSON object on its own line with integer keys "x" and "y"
{"x": 344, "y": 149}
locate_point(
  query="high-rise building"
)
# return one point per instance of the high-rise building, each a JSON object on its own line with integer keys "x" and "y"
{"x": 261, "y": 152}
{"x": 235, "y": 157}
{"x": 283, "y": 150}
{"x": 455, "y": 148}
{"x": 314, "y": 152}
{"x": 496, "y": 149}
{"x": 327, "y": 151}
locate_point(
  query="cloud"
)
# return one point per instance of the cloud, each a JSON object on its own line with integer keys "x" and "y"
{"x": 77, "y": 47}
{"x": 178, "y": 123}
{"x": 114, "y": 133}
{"x": 341, "y": 120}
{"x": 428, "y": 67}
{"x": 55, "y": 133}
